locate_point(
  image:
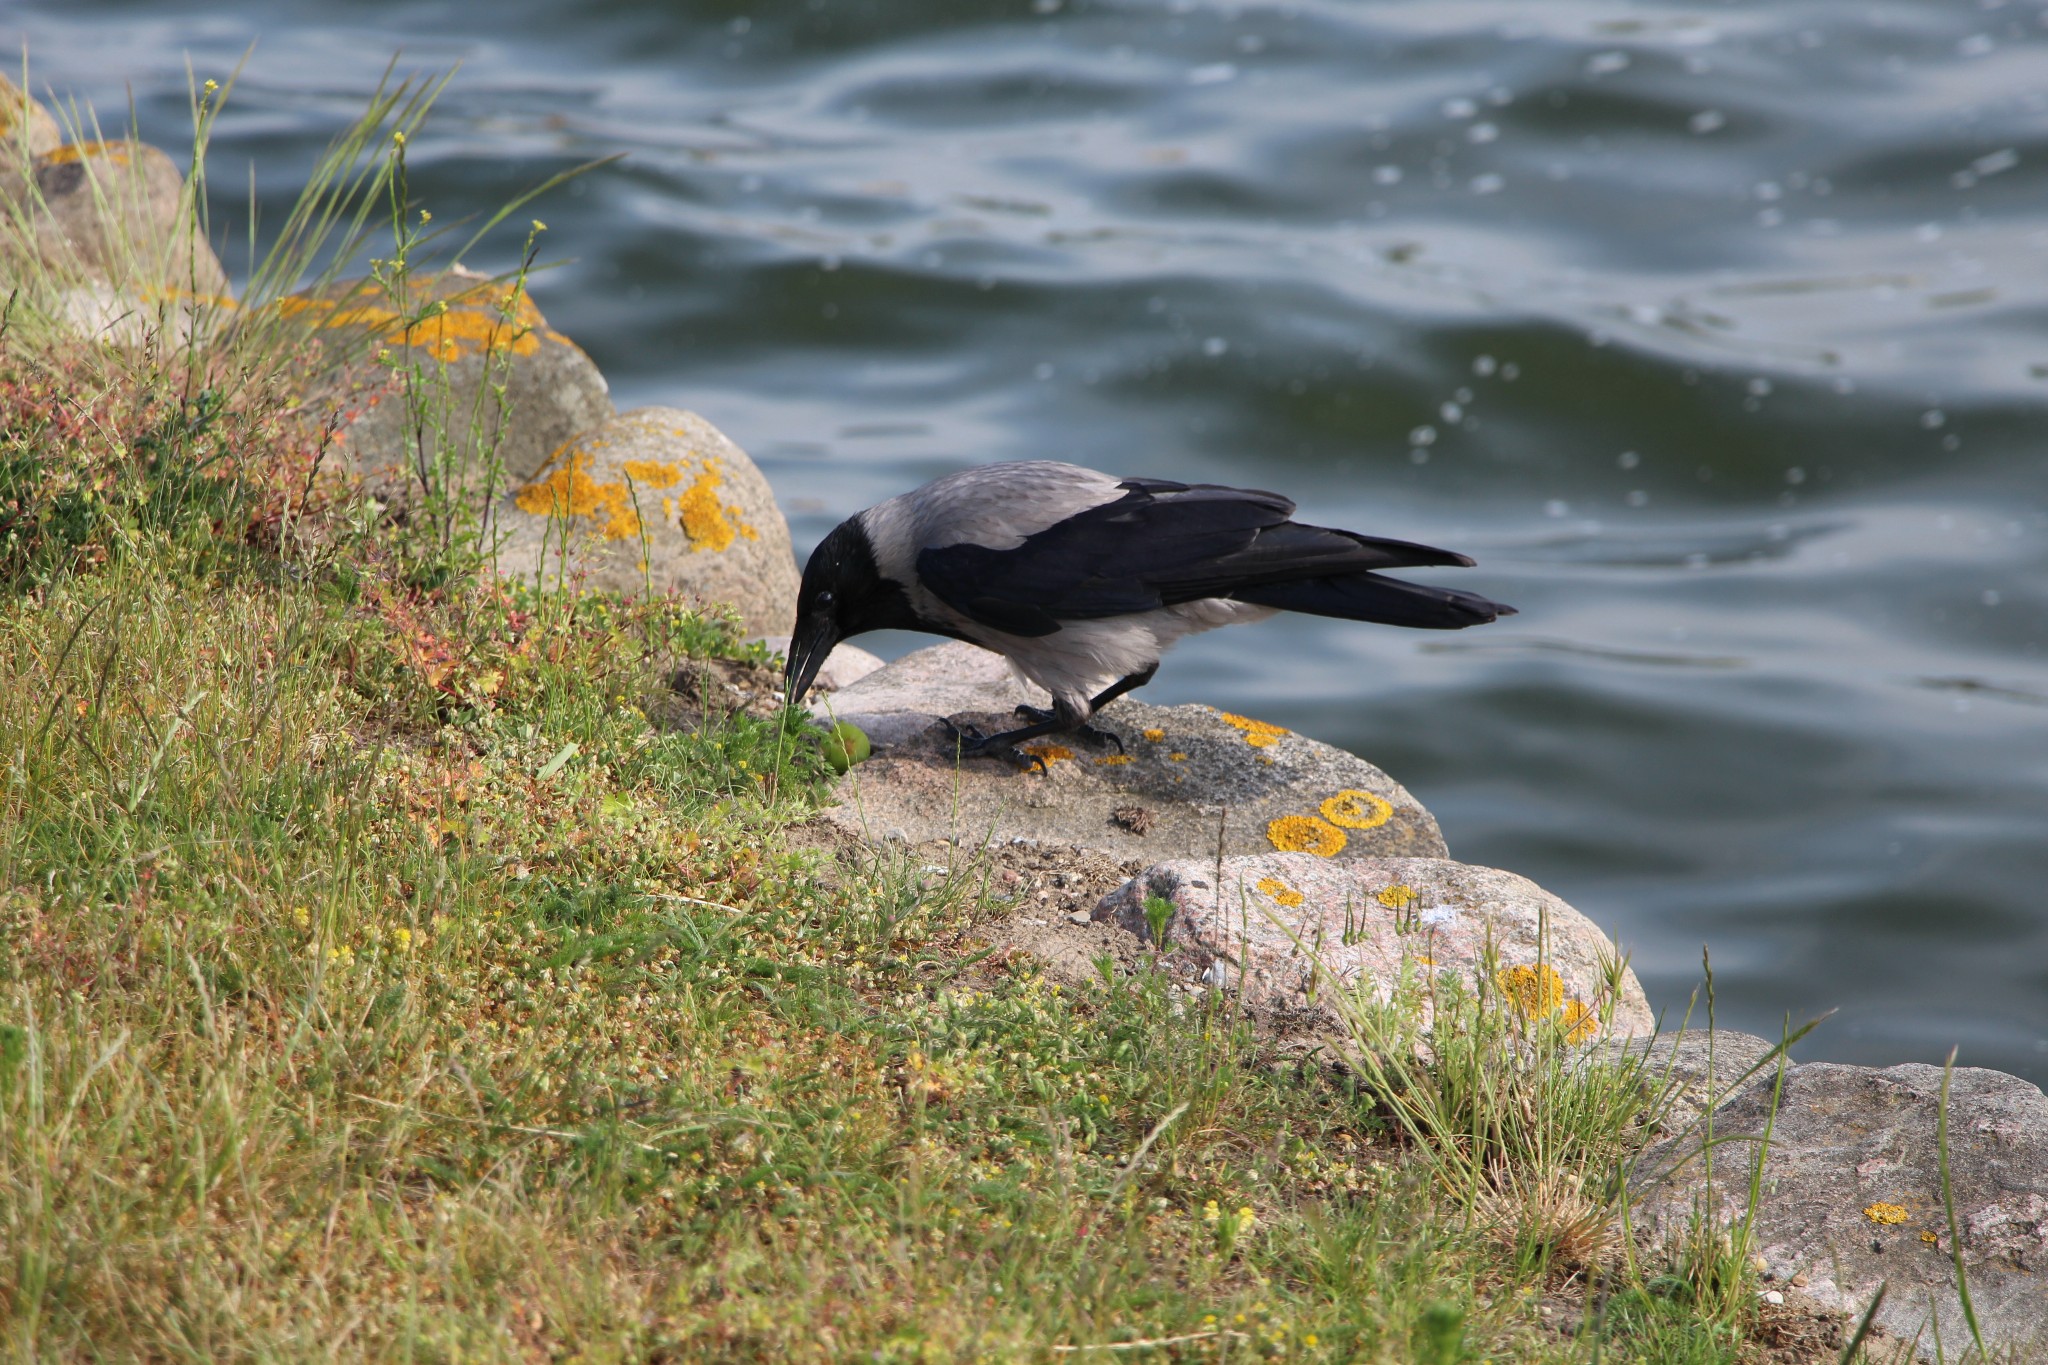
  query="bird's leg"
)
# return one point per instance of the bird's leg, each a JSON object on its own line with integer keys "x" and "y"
{"x": 971, "y": 742}
{"x": 1078, "y": 723}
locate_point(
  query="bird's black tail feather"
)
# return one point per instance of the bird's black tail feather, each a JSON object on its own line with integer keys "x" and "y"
{"x": 1369, "y": 597}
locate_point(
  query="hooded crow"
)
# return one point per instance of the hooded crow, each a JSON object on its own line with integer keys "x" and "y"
{"x": 1082, "y": 580}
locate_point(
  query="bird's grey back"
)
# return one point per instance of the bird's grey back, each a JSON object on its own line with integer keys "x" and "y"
{"x": 996, "y": 506}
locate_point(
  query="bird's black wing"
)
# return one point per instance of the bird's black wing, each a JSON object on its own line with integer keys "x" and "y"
{"x": 1160, "y": 544}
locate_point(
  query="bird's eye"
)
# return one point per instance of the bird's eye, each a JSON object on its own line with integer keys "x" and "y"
{"x": 825, "y": 599}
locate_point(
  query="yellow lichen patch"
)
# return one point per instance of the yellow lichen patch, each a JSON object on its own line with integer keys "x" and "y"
{"x": 116, "y": 152}
{"x": 1112, "y": 760}
{"x": 1178, "y": 757}
{"x": 487, "y": 317}
{"x": 1051, "y": 753}
{"x": 1305, "y": 834}
{"x": 652, "y": 473}
{"x": 1886, "y": 1215}
{"x": 1257, "y": 733}
{"x": 1396, "y": 897}
{"x": 709, "y": 524}
{"x": 1581, "y": 1020}
{"x": 1155, "y": 735}
{"x": 1354, "y": 809}
{"x": 1535, "y": 991}
{"x": 1280, "y": 891}
{"x": 1927, "y": 1236}
{"x": 569, "y": 491}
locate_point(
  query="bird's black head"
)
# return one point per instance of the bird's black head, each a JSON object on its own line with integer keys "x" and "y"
{"x": 843, "y": 594}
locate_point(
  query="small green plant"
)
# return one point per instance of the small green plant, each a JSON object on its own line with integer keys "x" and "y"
{"x": 1159, "y": 913}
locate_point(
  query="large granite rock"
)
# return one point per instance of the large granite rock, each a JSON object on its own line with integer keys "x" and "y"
{"x": 118, "y": 253}
{"x": 658, "y": 498}
{"x": 415, "y": 379}
{"x": 26, "y": 128}
{"x": 1190, "y": 780}
{"x": 1686, "y": 1074}
{"x": 1286, "y": 929}
{"x": 1852, "y": 1195}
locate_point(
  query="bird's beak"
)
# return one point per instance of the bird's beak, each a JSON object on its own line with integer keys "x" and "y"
{"x": 807, "y": 654}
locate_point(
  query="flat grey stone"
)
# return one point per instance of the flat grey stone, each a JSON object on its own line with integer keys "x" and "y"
{"x": 1852, "y": 1194}
{"x": 1191, "y": 780}
{"x": 1288, "y": 929}
{"x": 1686, "y": 1074}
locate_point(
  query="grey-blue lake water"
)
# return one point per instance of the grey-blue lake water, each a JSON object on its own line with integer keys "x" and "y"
{"x": 1718, "y": 332}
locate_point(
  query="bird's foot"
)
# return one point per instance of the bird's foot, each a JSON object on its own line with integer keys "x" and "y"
{"x": 972, "y": 744}
{"x": 1095, "y": 735}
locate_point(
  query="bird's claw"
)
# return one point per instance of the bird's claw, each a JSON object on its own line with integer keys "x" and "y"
{"x": 1038, "y": 715}
{"x": 971, "y": 744}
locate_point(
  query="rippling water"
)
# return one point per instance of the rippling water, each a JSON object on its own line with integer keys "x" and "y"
{"x": 1715, "y": 331}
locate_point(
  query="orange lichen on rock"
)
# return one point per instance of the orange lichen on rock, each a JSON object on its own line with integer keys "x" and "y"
{"x": 488, "y": 316}
{"x": 1535, "y": 990}
{"x": 569, "y": 491}
{"x": 1050, "y": 753}
{"x": 710, "y": 524}
{"x": 1112, "y": 760}
{"x": 1257, "y": 733}
{"x": 1155, "y": 735}
{"x": 1305, "y": 834}
{"x": 1354, "y": 809}
{"x": 1886, "y": 1215}
{"x": 1581, "y": 1021}
{"x": 116, "y": 152}
{"x": 1280, "y": 891}
{"x": 1396, "y": 897}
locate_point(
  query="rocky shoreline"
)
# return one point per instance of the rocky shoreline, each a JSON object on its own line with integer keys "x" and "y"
{"x": 1267, "y": 864}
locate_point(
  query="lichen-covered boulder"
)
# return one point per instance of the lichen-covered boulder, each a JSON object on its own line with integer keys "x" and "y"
{"x": 1188, "y": 780}
{"x": 1852, "y": 1195}
{"x": 655, "y": 498}
{"x": 26, "y": 128}
{"x": 1289, "y": 929}
{"x": 415, "y": 378}
{"x": 118, "y": 253}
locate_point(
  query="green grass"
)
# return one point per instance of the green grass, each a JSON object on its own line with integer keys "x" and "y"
{"x": 377, "y": 982}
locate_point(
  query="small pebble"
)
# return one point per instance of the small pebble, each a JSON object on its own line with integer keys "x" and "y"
{"x": 1799, "y": 1281}
{"x": 1080, "y": 917}
{"x": 1773, "y": 1297}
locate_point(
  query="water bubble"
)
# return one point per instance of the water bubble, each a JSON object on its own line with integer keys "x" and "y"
{"x": 1461, "y": 394}
{"x": 1606, "y": 63}
{"x": 1928, "y": 232}
{"x": 1215, "y": 346}
{"x": 1460, "y": 108}
{"x": 1638, "y": 498}
{"x": 1418, "y": 456}
{"x": 1951, "y": 442}
{"x": 1386, "y": 175}
{"x": 1451, "y": 413}
{"x": 1989, "y": 597}
{"x": 739, "y": 26}
{"x": 1484, "y": 365}
{"x": 1760, "y": 387}
{"x": 1628, "y": 459}
{"x": 1487, "y": 184}
{"x": 1933, "y": 419}
{"x": 1795, "y": 475}
{"x": 1510, "y": 371}
{"x": 1557, "y": 507}
{"x": 1422, "y": 436}
{"x": 1769, "y": 218}
{"x": 1768, "y": 191}
{"x": 1500, "y": 97}
{"x": 1482, "y": 132}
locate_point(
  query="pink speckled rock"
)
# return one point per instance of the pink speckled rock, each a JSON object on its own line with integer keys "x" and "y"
{"x": 1369, "y": 920}
{"x": 1852, "y": 1195}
